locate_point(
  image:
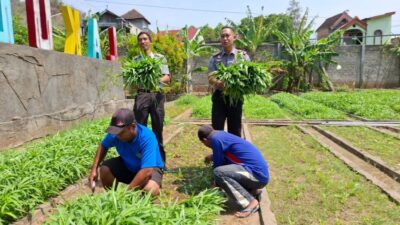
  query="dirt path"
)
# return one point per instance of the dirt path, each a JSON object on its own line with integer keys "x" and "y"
{"x": 264, "y": 216}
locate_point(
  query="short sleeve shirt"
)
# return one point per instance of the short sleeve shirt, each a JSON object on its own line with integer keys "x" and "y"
{"x": 226, "y": 58}
{"x": 142, "y": 152}
{"x": 231, "y": 149}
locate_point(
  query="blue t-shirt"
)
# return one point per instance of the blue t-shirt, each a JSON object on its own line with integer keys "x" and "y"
{"x": 141, "y": 152}
{"x": 231, "y": 149}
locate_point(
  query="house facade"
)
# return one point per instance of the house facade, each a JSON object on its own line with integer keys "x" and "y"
{"x": 374, "y": 30}
{"x": 138, "y": 20}
{"x": 133, "y": 22}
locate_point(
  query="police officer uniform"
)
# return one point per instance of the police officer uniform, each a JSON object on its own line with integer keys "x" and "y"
{"x": 221, "y": 107}
{"x": 149, "y": 102}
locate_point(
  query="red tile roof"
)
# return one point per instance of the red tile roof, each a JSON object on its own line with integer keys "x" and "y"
{"x": 355, "y": 21}
{"x": 333, "y": 21}
{"x": 191, "y": 32}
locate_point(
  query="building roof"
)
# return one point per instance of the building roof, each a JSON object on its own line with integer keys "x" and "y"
{"x": 331, "y": 22}
{"x": 192, "y": 31}
{"x": 133, "y": 15}
{"x": 379, "y": 16}
{"x": 109, "y": 12}
{"x": 355, "y": 21}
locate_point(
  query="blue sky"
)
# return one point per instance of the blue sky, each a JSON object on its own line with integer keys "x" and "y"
{"x": 175, "y": 14}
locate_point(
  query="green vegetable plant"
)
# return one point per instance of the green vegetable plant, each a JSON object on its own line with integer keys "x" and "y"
{"x": 243, "y": 78}
{"x": 43, "y": 168}
{"x": 144, "y": 74}
{"x": 132, "y": 207}
{"x": 305, "y": 108}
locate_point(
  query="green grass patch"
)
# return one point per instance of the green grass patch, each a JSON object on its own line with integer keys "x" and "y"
{"x": 131, "y": 207}
{"x": 42, "y": 168}
{"x": 179, "y": 106}
{"x": 185, "y": 154}
{"x": 305, "y": 108}
{"x": 310, "y": 186}
{"x": 381, "y": 145}
{"x": 259, "y": 107}
{"x": 202, "y": 108}
{"x": 370, "y": 104}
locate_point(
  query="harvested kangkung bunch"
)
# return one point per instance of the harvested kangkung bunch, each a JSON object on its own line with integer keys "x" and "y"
{"x": 243, "y": 78}
{"x": 144, "y": 74}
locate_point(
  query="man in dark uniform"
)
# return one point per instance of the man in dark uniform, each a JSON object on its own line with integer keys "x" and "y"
{"x": 221, "y": 107}
{"x": 147, "y": 102}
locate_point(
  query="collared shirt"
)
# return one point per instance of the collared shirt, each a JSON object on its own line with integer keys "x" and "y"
{"x": 226, "y": 58}
{"x": 142, "y": 152}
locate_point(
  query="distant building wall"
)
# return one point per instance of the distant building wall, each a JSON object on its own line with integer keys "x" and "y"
{"x": 383, "y": 24}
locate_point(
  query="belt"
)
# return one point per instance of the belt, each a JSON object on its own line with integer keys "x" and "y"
{"x": 147, "y": 91}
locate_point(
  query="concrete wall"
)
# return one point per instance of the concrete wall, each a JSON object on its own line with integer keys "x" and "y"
{"x": 380, "y": 69}
{"x": 45, "y": 91}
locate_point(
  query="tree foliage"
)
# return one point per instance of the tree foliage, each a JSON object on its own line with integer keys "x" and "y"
{"x": 252, "y": 32}
{"x": 166, "y": 44}
{"x": 20, "y": 31}
{"x": 303, "y": 56}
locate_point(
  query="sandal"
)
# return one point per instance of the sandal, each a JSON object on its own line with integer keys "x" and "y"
{"x": 258, "y": 195}
{"x": 250, "y": 211}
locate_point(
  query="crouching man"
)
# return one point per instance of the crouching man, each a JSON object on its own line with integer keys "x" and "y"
{"x": 239, "y": 168}
{"x": 139, "y": 162}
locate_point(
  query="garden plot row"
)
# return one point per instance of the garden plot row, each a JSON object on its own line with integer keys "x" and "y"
{"x": 369, "y": 104}
{"x": 39, "y": 170}
{"x": 49, "y": 165}
{"x": 280, "y": 107}
{"x": 309, "y": 185}
{"x": 383, "y": 146}
{"x": 375, "y": 105}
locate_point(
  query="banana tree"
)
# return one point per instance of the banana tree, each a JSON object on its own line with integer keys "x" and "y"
{"x": 253, "y": 32}
{"x": 303, "y": 57}
{"x": 194, "y": 46}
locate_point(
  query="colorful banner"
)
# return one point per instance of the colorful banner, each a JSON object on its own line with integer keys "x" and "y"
{"x": 6, "y": 28}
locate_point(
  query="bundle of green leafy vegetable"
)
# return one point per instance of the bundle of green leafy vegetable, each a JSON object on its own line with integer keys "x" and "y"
{"x": 132, "y": 207}
{"x": 144, "y": 74}
{"x": 243, "y": 78}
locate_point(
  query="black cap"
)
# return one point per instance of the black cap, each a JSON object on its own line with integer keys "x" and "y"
{"x": 121, "y": 118}
{"x": 204, "y": 131}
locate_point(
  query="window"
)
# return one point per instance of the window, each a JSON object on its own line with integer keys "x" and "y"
{"x": 377, "y": 37}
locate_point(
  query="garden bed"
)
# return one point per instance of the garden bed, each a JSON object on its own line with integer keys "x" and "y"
{"x": 384, "y": 146}
{"x": 308, "y": 184}
{"x": 306, "y": 109}
{"x": 369, "y": 104}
